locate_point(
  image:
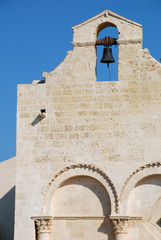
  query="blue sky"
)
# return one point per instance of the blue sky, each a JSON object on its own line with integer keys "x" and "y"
{"x": 35, "y": 36}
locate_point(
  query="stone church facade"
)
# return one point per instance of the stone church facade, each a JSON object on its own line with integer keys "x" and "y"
{"x": 88, "y": 162}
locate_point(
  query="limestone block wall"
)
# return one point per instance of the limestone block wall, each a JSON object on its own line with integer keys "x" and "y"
{"x": 7, "y": 198}
{"x": 109, "y": 131}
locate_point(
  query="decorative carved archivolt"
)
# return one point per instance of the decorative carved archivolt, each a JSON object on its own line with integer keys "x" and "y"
{"x": 90, "y": 168}
{"x": 142, "y": 168}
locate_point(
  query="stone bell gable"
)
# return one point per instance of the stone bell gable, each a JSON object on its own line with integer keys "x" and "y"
{"x": 86, "y": 33}
{"x": 88, "y": 153}
{"x": 83, "y": 56}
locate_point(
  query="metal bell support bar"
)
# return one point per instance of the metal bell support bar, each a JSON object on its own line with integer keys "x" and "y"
{"x": 107, "y": 41}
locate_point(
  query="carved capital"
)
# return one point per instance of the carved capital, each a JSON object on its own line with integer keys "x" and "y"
{"x": 120, "y": 223}
{"x": 43, "y": 224}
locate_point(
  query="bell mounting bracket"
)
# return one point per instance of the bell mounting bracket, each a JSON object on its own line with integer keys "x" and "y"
{"x": 107, "y": 41}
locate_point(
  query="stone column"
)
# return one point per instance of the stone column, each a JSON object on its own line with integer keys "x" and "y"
{"x": 43, "y": 227}
{"x": 120, "y": 226}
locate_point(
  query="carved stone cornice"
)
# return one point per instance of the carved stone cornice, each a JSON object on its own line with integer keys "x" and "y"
{"x": 120, "y": 224}
{"x": 121, "y": 41}
{"x": 43, "y": 223}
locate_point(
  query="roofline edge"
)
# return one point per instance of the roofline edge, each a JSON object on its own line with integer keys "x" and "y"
{"x": 111, "y": 14}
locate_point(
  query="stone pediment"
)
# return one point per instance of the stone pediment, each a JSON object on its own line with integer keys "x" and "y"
{"x": 106, "y": 13}
{"x": 88, "y": 31}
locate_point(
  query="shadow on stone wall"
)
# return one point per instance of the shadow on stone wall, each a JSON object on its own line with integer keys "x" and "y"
{"x": 107, "y": 228}
{"x": 36, "y": 120}
{"x": 7, "y": 210}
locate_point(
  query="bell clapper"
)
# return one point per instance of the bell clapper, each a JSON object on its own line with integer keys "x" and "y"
{"x": 109, "y": 71}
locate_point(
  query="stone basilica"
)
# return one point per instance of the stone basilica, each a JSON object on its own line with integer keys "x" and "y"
{"x": 88, "y": 162}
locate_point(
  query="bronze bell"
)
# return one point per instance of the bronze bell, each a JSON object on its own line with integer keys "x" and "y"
{"x": 107, "y": 56}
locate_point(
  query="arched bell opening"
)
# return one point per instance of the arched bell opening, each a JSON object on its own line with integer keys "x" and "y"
{"x": 81, "y": 207}
{"x": 103, "y": 71}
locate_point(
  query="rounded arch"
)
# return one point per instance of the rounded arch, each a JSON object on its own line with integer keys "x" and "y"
{"x": 134, "y": 179}
{"x": 81, "y": 196}
{"x": 104, "y": 25}
{"x": 80, "y": 170}
{"x": 144, "y": 198}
